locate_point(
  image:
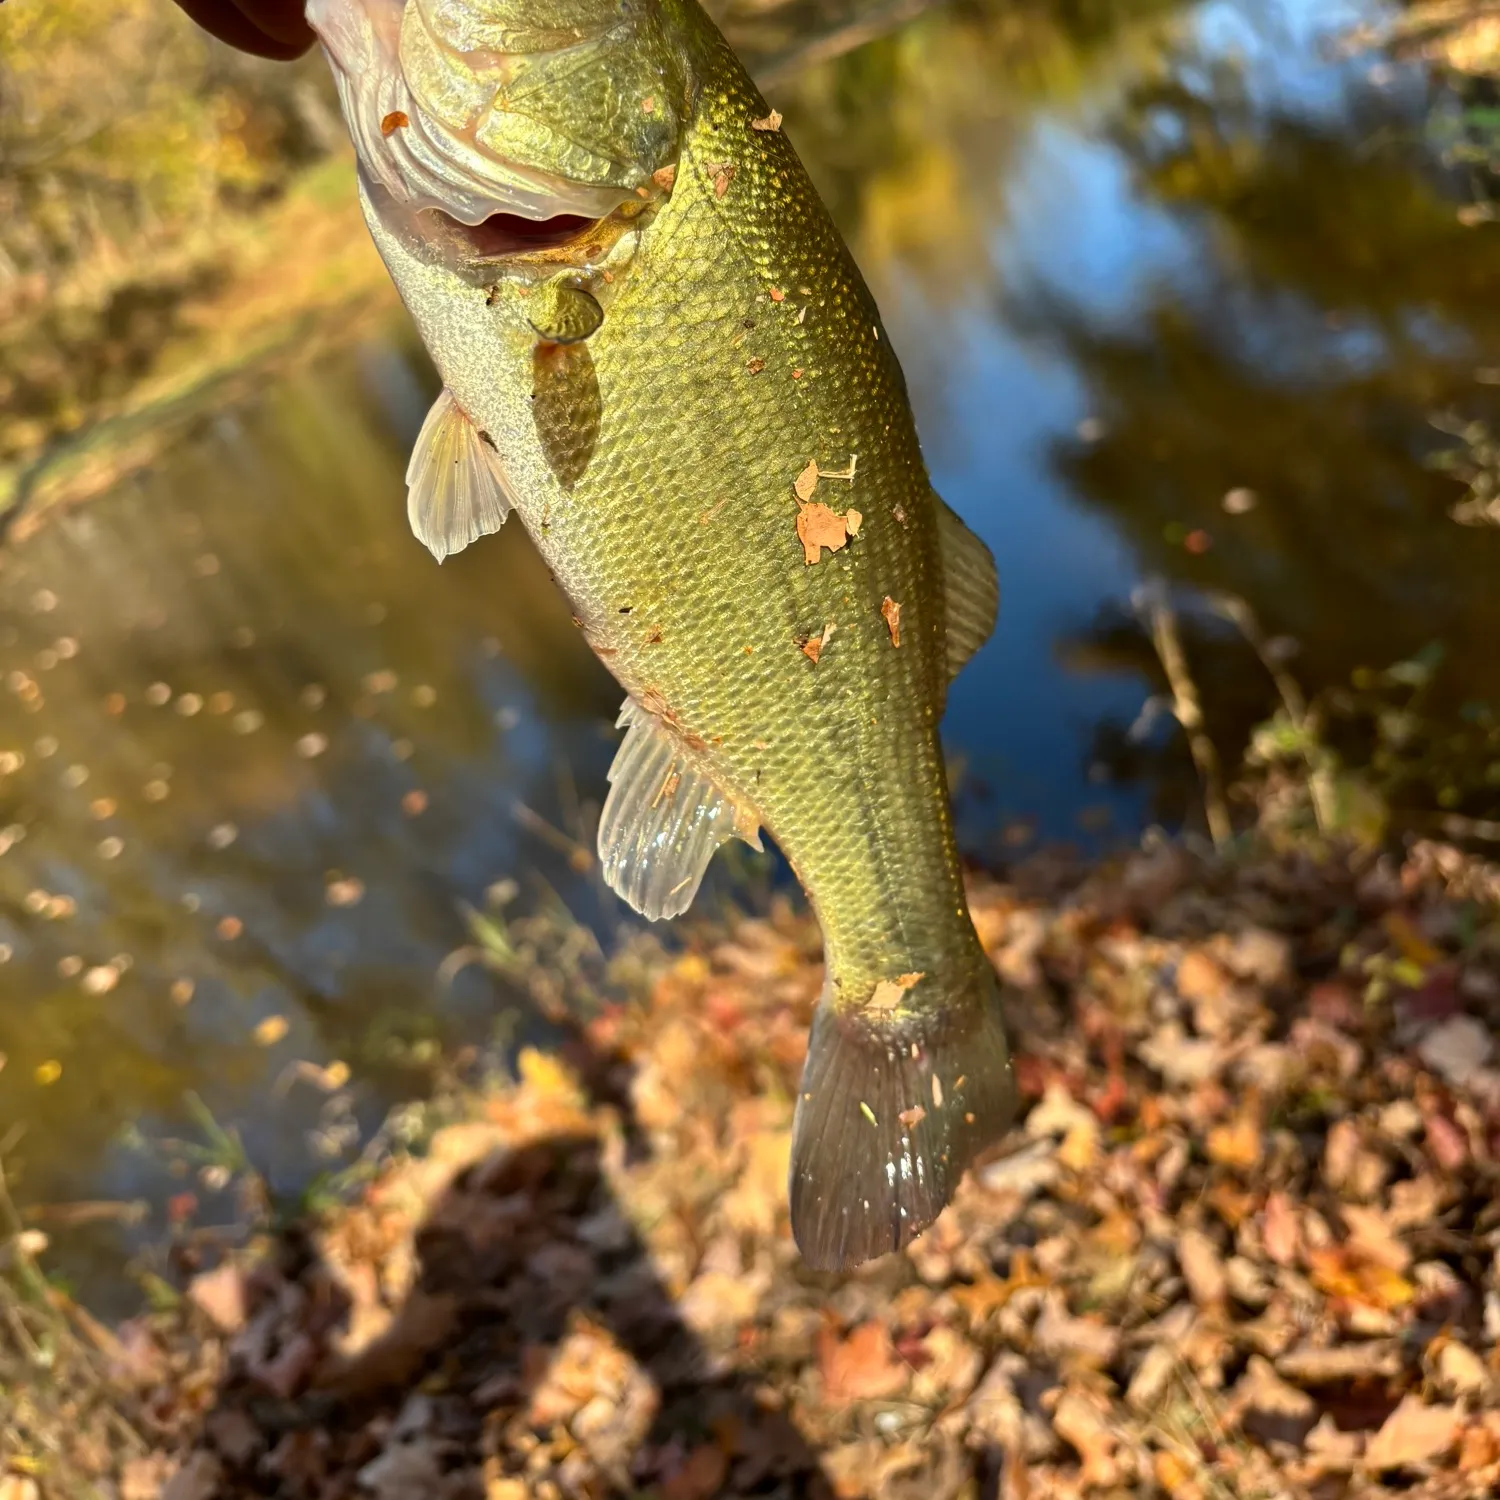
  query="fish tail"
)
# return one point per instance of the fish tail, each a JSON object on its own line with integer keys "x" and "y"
{"x": 893, "y": 1106}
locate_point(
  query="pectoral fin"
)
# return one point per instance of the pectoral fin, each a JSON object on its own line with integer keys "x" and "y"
{"x": 971, "y": 589}
{"x": 662, "y": 820}
{"x": 455, "y": 487}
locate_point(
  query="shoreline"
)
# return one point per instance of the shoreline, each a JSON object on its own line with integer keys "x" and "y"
{"x": 1241, "y": 1240}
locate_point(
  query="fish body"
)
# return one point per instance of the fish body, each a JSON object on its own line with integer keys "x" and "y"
{"x": 688, "y": 398}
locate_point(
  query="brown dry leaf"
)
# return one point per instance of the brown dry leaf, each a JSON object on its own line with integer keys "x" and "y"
{"x": 700, "y": 1475}
{"x": 1372, "y": 1237}
{"x": 812, "y": 647}
{"x": 890, "y": 612}
{"x": 1080, "y": 1424}
{"x": 853, "y": 520}
{"x": 664, "y": 177}
{"x": 1413, "y": 1434}
{"x": 862, "y": 1367}
{"x": 220, "y": 1295}
{"x": 1202, "y": 1268}
{"x": 913, "y": 1116}
{"x": 396, "y": 120}
{"x": 1174, "y": 1476}
{"x": 807, "y": 481}
{"x": 819, "y": 527}
{"x": 1280, "y": 1230}
{"x": 270, "y": 1031}
{"x": 1344, "y": 1273}
{"x": 1237, "y": 1144}
{"x": 888, "y": 992}
{"x": 722, "y": 173}
{"x": 756, "y": 365}
{"x": 771, "y": 121}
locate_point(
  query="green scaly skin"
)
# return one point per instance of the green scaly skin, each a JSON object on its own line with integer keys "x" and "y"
{"x": 653, "y": 464}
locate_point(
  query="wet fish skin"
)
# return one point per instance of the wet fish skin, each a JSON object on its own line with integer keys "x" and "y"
{"x": 654, "y": 461}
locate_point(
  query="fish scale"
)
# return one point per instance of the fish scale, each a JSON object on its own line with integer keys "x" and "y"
{"x": 652, "y": 454}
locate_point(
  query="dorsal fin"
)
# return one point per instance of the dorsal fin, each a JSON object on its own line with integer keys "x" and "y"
{"x": 455, "y": 487}
{"x": 662, "y": 820}
{"x": 970, "y": 587}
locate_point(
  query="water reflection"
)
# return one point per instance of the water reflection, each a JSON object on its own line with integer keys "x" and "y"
{"x": 258, "y": 747}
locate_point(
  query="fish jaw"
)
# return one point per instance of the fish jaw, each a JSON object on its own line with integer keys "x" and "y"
{"x": 479, "y": 108}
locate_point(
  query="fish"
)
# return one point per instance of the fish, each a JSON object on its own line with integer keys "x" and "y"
{"x": 656, "y": 348}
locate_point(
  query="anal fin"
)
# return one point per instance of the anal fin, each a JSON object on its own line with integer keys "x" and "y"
{"x": 663, "y": 819}
{"x": 970, "y": 586}
{"x": 455, "y": 487}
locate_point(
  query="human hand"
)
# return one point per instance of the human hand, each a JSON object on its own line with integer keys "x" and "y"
{"x": 268, "y": 28}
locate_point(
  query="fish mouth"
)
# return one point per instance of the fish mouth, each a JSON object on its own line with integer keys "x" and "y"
{"x": 502, "y": 235}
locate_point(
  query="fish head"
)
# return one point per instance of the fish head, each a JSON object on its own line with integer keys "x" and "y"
{"x": 503, "y": 115}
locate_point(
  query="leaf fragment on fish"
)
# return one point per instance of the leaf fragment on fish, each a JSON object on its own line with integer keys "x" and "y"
{"x": 807, "y": 481}
{"x": 722, "y": 173}
{"x": 819, "y": 527}
{"x": 396, "y": 120}
{"x": 913, "y": 1116}
{"x": 888, "y": 992}
{"x": 664, "y": 177}
{"x": 812, "y": 646}
{"x": 890, "y": 612}
{"x": 770, "y": 122}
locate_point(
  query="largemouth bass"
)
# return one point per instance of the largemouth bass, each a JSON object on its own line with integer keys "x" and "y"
{"x": 656, "y": 348}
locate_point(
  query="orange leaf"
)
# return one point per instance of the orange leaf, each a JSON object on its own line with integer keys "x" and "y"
{"x": 891, "y": 613}
{"x": 819, "y": 527}
{"x": 863, "y": 1366}
{"x": 393, "y": 122}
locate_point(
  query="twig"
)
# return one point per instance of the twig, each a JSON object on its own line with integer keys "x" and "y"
{"x": 1152, "y": 601}
{"x": 1319, "y": 782}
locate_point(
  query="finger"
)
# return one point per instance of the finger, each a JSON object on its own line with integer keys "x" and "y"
{"x": 266, "y": 28}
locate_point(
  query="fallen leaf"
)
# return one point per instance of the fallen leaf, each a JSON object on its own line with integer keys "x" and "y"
{"x": 1279, "y": 1229}
{"x": 1413, "y": 1434}
{"x": 756, "y": 365}
{"x": 819, "y": 527}
{"x": 890, "y": 612}
{"x": 1202, "y": 1268}
{"x": 771, "y": 121}
{"x": 270, "y": 1031}
{"x": 888, "y": 992}
{"x": 220, "y": 1296}
{"x": 863, "y": 1366}
{"x": 853, "y": 521}
{"x": 1080, "y": 1424}
{"x": 700, "y": 1475}
{"x": 396, "y": 120}
{"x": 913, "y": 1116}
{"x": 664, "y": 177}
{"x": 807, "y": 481}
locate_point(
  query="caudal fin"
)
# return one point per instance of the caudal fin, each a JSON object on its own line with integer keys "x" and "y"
{"x": 891, "y": 1111}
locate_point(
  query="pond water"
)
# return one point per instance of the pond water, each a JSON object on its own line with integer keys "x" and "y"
{"x": 259, "y": 750}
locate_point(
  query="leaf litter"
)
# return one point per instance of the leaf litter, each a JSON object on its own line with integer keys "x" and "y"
{"x": 583, "y": 1283}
